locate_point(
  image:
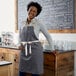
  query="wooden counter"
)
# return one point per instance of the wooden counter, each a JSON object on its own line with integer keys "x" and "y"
{"x": 11, "y": 55}
{"x": 60, "y": 64}
{"x": 5, "y": 68}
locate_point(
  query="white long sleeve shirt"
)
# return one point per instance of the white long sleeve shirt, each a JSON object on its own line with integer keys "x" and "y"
{"x": 38, "y": 27}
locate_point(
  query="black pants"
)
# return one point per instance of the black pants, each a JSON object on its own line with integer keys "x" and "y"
{"x": 24, "y": 74}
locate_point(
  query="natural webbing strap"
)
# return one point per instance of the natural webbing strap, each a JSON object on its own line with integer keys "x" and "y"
{"x": 29, "y": 42}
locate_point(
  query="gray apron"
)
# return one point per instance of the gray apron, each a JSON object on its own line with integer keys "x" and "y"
{"x": 32, "y": 63}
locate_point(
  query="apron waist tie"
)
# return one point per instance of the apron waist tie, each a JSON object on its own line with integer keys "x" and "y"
{"x": 26, "y": 51}
{"x": 29, "y": 42}
{"x": 25, "y": 42}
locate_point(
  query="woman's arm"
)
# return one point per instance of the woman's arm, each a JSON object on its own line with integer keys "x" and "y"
{"x": 47, "y": 35}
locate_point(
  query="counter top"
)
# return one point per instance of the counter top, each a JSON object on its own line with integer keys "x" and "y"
{"x": 10, "y": 47}
{"x": 45, "y": 51}
{"x": 59, "y": 51}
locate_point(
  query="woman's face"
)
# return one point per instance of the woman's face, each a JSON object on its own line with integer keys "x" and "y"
{"x": 32, "y": 12}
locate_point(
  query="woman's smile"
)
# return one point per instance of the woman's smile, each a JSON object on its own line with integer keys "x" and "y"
{"x": 32, "y": 12}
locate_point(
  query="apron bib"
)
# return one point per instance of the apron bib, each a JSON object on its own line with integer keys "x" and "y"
{"x": 32, "y": 62}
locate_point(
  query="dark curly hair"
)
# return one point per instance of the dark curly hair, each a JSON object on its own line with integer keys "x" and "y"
{"x": 37, "y": 5}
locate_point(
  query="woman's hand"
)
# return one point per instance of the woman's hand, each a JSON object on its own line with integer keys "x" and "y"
{"x": 21, "y": 47}
{"x": 55, "y": 52}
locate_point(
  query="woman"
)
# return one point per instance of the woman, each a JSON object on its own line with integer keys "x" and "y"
{"x": 31, "y": 56}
